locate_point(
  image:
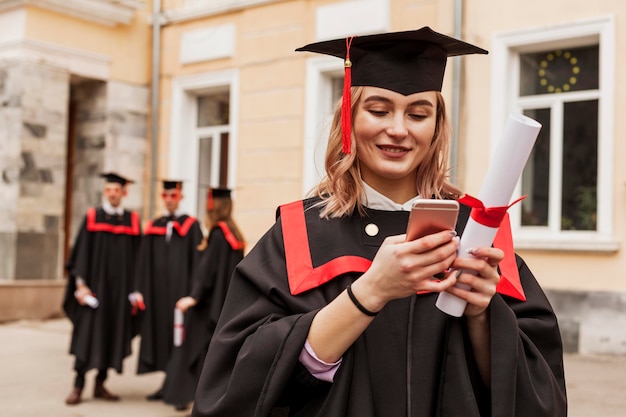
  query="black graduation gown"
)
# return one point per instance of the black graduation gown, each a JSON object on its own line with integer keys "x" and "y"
{"x": 104, "y": 255}
{"x": 210, "y": 284}
{"x": 413, "y": 360}
{"x": 164, "y": 272}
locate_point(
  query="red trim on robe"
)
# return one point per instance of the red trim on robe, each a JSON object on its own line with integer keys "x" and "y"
{"x": 303, "y": 276}
{"x": 134, "y": 229}
{"x": 510, "y": 283}
{"x": 230, "y": 237}
{"x": 182, "y": 230}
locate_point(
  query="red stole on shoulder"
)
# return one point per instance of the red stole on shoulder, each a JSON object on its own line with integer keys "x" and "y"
{"x": 303, "y": 276}
{"x": 93, "y": 226}
{"x": 181, "y": 229}
{"x": 230, "y": 237}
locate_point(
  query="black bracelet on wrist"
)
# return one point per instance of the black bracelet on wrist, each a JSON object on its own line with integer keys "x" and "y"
{"x": 358, "y": 305}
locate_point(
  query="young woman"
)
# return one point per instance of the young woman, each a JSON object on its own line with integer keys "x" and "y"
{"x": 333, "y": 311}
{"x": 221, "y": 251}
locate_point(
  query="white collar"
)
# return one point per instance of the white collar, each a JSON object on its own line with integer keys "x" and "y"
{"x": 176, "y": 214}
{"x": 378, "y": 201}
{"x": 109, "y": 209}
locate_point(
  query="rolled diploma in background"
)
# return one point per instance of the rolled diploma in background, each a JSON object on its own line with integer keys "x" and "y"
{"x": 505, "y": 169}
{"x": 91, "y": 301}
{"x": 179, "y": 328}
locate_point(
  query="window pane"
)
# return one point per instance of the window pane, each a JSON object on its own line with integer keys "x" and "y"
{"x": 536, "y": 175}
{"x": 224, "y": 160}
{"x": 580, "y": 166}
{"x": 205, "y": 150}
{"x": 558, "y": 71}
{"x": 213, "y": 109}
{"x": 337, "y": 92}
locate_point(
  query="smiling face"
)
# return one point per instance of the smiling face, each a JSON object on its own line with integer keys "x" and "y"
{"x": 393, "y": 134}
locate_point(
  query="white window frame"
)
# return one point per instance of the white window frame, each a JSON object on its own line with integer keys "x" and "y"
{"x": 505, "y": 99}
{"x": 318, "y": 117}
{"x": 183, "y": 144}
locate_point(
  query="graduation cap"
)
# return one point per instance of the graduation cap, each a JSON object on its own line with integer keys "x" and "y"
{"x": 172, "y": 185}
{"x": 216, "y": 193}
{"x": 115, "y": 178}
{"x": 405, "y": 62}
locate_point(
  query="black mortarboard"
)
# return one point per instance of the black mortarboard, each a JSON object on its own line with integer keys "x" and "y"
{"x": 216, "y": 193}
{"x": 172, "y": 185}
{"x": 116, "y": 178}
{"x": 405, "y": 62}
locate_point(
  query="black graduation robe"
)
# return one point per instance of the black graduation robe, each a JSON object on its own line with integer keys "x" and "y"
{"x": 104, "y": 255}
{"x": 210, "y": 284}
{"x": 164, "y": 273}
{"x": 413, "y": 360}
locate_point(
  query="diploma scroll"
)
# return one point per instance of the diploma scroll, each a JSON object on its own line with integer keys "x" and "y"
{"x": 90, "y": 300}
{"x": 505, "y": 169}
{"x": 136, "y": 302}
{"x": 179, "y": 328}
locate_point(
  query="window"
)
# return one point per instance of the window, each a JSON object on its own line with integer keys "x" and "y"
{"x": 562, "y": 77}
{"x": 203, "y": 133}
{"x": 324, "y": 87}
{"x": 212, "y": 133}
{"x": 568, "y": 80}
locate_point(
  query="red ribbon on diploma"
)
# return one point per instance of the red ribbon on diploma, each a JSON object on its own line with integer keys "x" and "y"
{"x": 487, "y": 216}
{"x": 136, "y": 307}
{"x": 492, "y": 217}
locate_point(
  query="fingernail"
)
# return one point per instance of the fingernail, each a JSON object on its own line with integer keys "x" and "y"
{"x": 472, "y": 251}
{"x": 453, "y": 233}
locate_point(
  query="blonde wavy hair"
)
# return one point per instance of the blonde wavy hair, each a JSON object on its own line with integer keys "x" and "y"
{"x": 341, "y": 190}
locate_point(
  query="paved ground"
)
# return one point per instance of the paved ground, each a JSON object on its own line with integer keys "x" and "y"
{"x": 36, "y": 376}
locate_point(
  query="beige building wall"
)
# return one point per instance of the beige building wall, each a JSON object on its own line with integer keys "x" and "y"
{"x": 271, "y": 77}
{"x": 272, "y": 107}
{"x": 272, "y": 95}
{"x": 127, "y": 48}
{"x": 582, "y": 280}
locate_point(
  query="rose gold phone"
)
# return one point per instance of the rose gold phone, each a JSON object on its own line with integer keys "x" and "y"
{"x": 431, "y": 216}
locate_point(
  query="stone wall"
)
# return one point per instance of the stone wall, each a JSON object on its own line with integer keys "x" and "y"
{"x": 33, "y": 131}
{"x": 31, "y": 299}
{"x": 111, "y": 135}
{"x": 111, "y": 120}
{"x": 591, "y": 322}
{"x": 89, "y": 102}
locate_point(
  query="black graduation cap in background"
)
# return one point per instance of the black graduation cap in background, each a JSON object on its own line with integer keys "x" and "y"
{"x": 216, "y": 193}
{"x": 172, "y": 184}
{"x": 405, "y": 62}
{"x": 115, "y": 178}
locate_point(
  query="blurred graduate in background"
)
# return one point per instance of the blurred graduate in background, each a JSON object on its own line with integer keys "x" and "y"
{"x": 221, "y": 251}
{"x": 166, "y": 260}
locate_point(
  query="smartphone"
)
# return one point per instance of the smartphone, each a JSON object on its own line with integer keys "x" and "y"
{"x": 430, "y": 216}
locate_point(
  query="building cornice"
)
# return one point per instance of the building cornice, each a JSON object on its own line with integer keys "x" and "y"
{"x": 201, "y": 9}
{"x": 105, "y": 12}
{"x": 78, "y": 62}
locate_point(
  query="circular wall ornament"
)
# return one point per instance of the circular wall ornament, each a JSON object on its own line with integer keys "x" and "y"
{"x": 558, "y": 71}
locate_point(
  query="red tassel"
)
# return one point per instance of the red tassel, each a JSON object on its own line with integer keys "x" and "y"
{"x": 346, "y": 102}
{"x": 209, "y": 199}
